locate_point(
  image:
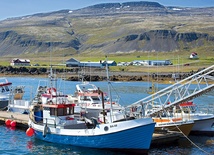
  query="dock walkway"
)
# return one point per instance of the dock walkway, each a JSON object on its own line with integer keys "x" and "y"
{"x": 21, "y": 119}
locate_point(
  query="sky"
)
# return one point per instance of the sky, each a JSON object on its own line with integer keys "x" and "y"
{"x": 18, "y": 8}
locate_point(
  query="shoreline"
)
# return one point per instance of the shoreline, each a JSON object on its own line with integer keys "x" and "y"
{"x": 165, "y": 78}
{"x": 95, "y": 74}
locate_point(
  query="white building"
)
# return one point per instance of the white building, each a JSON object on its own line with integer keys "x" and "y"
{"x": 193, "y": 55}
{"x": 20, "y": 62}
{"x": 102, "y": 63}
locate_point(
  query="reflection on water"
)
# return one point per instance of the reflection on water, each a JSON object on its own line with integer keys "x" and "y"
{"x": 199, "y": 145}
{"x": 39, "y": 147}
{"x": 16, "y": 142}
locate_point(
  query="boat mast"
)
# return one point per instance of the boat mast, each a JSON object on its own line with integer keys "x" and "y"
{"x": 109, "y": 91}
{"x": 103, "y": 105}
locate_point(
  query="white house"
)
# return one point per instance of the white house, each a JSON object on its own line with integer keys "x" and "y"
{"x": 193, "y": 55}
{"x": 20, "y": 62}
{"x": 140, "y": 63}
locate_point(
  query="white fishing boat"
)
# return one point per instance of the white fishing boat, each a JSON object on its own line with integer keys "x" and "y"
{"x": 89, "y": 102}
{"x": 17, "y": 103}
{"x": 54, "y": 121}
{"x": 165, "y": 121}
{"x": 173, "y": 124}
{"x": 5, "y": 88}
{"x": 204, "y": 122}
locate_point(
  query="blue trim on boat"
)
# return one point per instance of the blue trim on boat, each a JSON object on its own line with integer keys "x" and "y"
{"x": 136, "y": 138}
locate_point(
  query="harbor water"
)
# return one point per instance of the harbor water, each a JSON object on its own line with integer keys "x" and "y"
{"x": 15, "y": 141}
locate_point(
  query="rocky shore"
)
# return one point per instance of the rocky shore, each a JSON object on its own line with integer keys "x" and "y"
{"x": 93, "y": 74}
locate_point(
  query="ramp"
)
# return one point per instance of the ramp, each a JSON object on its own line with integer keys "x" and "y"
{"x": 182, "y": 91}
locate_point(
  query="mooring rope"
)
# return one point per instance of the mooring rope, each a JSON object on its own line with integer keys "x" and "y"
{"x": 192, "y": 142}
{"x": 4, "y": 108}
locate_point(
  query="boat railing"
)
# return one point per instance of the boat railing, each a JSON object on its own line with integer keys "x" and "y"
{"x": 64, "y": 122}
{"x": 208, "y": 109}
{"x": 41, "y": 120}
{"x": 21, "y": 95}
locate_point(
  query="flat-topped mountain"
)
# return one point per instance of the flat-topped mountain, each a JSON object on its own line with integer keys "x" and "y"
{"x": 110, "y": 28}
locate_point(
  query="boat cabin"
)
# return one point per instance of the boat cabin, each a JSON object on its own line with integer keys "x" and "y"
{"x": 5, "y": 86}
{"x": 57, "y": 113}
{"x": 186, "y": 107}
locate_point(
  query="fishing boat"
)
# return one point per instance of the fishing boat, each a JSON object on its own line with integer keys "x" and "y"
{"x": 5, "y": 88}
{"x": 204, "y": 122}
{"x": 89, "y": 102}
{"x": 173, "y": 124}
{"x": 17, "y": 103}
{"x": 165, "y": 120}
{"x": 54, "y": 121}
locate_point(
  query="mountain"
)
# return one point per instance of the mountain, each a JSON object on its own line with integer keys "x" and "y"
{"x": 109, "y": 28}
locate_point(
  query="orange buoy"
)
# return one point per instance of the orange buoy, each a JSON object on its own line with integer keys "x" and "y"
{"x": 7, "y": 122}
{"x": 30, "y": 132}
{"x": 13, "y": 124}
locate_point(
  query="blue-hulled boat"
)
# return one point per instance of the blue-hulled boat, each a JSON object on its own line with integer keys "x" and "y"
{"x": 55, "y": 122}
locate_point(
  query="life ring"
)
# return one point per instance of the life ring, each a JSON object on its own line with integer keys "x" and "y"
{"x": 52, "y": 90}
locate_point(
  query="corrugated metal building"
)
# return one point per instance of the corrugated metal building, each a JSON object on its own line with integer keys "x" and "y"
{"x": 75, "y": 63}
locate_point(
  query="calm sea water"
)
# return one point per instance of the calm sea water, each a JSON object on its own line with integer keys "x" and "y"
{"x": 15, "y": 141}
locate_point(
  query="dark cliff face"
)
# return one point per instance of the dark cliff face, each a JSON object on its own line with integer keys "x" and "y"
{"x": 14, "y": 43}
{"x": 158, "y": 40}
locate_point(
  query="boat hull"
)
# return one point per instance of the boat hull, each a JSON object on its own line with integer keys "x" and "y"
{"x": 205, "y": 125}
{"x": 185, "y": 128}
{"x": 4, "y": 104}
{"x": 118, "y": 136}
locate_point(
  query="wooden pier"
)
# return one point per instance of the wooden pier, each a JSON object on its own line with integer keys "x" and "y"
{"x": 21, "y": 119}
{"x": 22, "y": 123}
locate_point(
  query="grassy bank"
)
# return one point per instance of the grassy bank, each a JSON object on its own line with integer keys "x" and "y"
{"x": 179, "y": 59}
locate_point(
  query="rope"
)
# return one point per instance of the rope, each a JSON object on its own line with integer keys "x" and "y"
{"x": 192, "y": 141}
{"x": 4, "y": 108}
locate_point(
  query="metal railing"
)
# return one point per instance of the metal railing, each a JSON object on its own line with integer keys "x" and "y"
{"x": 182, "y": 91}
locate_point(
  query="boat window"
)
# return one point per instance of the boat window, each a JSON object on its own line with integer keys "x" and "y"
{"x": 95, "y": 98}
{"x": 53, "y": 111}
{"x": 61, "y": 111}
{"x": 85, "y": 98}
{"x": 186, "y": 110}
{"x": 193, "y": 108}
{"x": 7, "y": 89}
{"x": 70, "y": 111}
{"x": 2, "y": 90}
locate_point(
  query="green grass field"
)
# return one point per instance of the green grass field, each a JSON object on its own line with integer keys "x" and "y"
{"x": 177, "y": 58}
